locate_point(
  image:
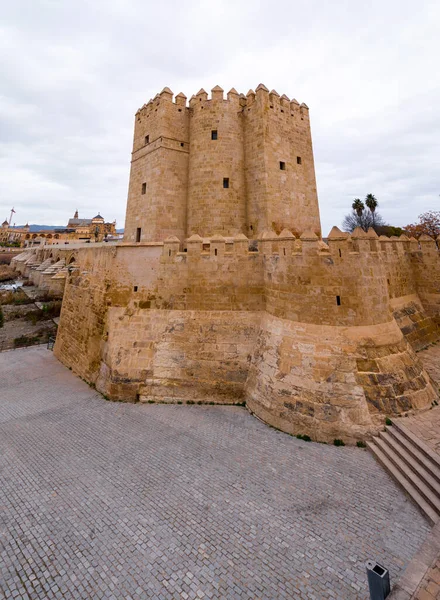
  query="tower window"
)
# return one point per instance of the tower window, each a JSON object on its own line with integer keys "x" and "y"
{"x": 214, "y": 134}
{"x": 138, "y": 234}
{"x": 282, "y": 165}
{"x": 182, "y": 144}
{"x": 298, "y": 160}
{"x": 147, "y": 139}
{"x": 144, "y": 188}
{"x": 135, "y": 288}
{"x": 338, "y": 300}
{"x": 225, "y": 182}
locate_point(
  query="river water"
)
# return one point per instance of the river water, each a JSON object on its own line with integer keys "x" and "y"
{"x": 10, "y": 286}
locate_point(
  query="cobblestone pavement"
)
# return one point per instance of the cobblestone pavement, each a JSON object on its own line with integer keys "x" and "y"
{"x": 119, "y": 501}
{"x": 430, "y": 588}
{"x": 426, "y": 425}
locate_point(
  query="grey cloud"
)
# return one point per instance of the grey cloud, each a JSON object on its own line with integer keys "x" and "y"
{"x": 72, "y": 75}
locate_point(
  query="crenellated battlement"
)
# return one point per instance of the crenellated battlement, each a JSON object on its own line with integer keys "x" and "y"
{"x": 240, "y": 101}
{"x": 165, "y": 98}
{"x": 340, "y": 245}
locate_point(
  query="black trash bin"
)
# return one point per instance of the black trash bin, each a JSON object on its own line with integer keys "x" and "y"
{"x": 378, "y": 580}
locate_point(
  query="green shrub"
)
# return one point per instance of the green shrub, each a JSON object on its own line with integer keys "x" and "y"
{"x": 361, "y": 444}
{"x": 25, "y": 340}
{"x": 304, "y": 438}
{"x": 338, "y": 442}
{"x": 388, "y": 422}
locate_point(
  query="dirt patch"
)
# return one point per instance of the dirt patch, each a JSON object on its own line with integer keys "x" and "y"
{"x": 7, "y": 273}
{"x": 25, "y": 323}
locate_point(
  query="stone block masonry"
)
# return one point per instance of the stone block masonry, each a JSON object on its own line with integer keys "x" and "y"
{"x": 301, "y": 331}
{"x": 223, "y": 290}
{"x": 242, "y": 164}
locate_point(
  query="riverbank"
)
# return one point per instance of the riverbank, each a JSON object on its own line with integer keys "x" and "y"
{"x": 27, "y": 315}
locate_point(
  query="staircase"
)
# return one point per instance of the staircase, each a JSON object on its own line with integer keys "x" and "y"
{"x": 412, "y": 464}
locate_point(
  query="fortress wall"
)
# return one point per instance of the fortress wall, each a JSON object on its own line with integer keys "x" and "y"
{"x": 189, "y": 321}
{"x": 212, "y": 208}
{"x": 161, "y": 163}
{"x": 177, "y": 355}
{"x": 400, "y": 255}
{"x": 83, "y": 314}
{"x": 278, "y": 131}
{"x": 426, "y": 265}
{"x": 292, "y": 192}
{"x": 325, "y": 289}
{"x": 332, "y": 382}
{"x": 188, "y": 331}
{"x": 320, "y": 367}
{"x": 255, "y": 125}
{"x": 221, "y": 324}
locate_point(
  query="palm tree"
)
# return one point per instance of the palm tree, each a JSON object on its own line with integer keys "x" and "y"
{"x": 358, "y": 206}
{"x": 372, "y": 204}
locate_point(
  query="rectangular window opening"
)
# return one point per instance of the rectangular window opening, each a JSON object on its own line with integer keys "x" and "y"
{"x": 214, "y": 134}
{"x": 282, "y": 165}
{"x": 138, "y": 234}
{"x": 135, "y": 288}
{"x": 147, "y": 139}
{"x": 338, "y": 300}
{"x": 144, "y": 188}
{"x": 215, "y": 251}
{"x": 298, "y": 160}
{"x": 225, "y": 182}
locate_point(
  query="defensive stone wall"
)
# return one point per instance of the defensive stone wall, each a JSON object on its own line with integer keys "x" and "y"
{"x": 301, "y": 331}
{"x": 224, "y": 291}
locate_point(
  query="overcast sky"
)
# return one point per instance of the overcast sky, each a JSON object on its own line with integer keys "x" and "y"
{"x": 74, "y": 72}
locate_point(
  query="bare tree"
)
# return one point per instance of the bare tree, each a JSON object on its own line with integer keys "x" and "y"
{"x": 363, "y": 217}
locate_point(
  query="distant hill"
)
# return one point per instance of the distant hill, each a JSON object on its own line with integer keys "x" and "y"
{"x": 35, "y": 227}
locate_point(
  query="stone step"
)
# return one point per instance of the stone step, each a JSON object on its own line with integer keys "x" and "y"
{"x": 429, "y": 496}
{"x": 420, "y": 457}
{"x": 411, "y": 462}
{"x": 421, "y": 446}
{"x": 408, "y": 488}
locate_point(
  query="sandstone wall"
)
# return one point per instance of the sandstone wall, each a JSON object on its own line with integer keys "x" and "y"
{"x": 411, "y": 274}
{"x": 256, "y": 174}
{"x": 331, "y": 382}
{"x": 213, "y": 208}
{"x": 160, "y": 163}
{"x": 280, "y": 171}
{"x": 221, "y": 323}
{"x": 427, "y": 276}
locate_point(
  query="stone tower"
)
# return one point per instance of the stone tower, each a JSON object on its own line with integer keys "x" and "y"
{"x": 243, "y": 164}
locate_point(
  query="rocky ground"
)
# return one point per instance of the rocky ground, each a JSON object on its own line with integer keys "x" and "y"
{"x": 26, "y": 317}
{"x": 6, "y": 273}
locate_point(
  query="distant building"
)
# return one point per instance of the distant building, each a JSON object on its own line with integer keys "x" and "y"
{"x": 11, "y": 235}
{"x": 88, "y": 229}
{"x": 77, "y": 230}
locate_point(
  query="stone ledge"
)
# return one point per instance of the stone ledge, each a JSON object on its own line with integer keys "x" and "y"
{"x": 414, "y": 574}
